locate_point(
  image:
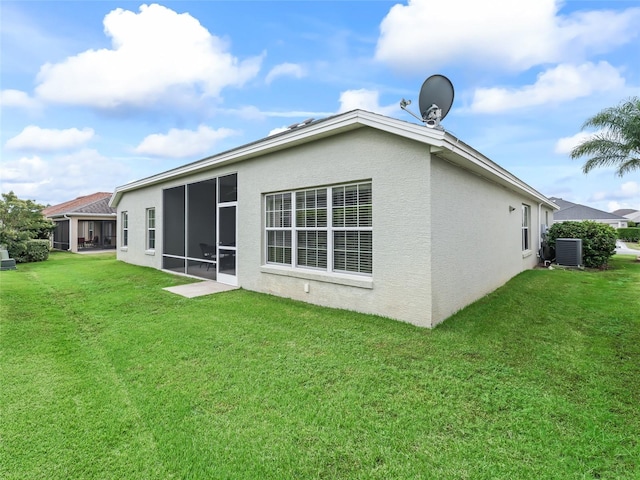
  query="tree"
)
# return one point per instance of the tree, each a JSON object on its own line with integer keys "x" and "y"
{"x": 618, "y": 141}
{"x": 21, "y": 221}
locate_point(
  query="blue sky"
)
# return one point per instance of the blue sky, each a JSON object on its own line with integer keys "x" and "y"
{"x": 95, "y": 94}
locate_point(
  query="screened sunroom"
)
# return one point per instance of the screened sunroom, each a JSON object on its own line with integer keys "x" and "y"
{"x": 199, "y": 229}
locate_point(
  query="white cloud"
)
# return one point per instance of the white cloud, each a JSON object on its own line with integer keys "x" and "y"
{"x": 49, "y": 140}
{"x": 497, "y": 34}
{"x": 562, "y": 83}
{"x": 613, "y": 206}
{"x": 630, "y": 189}
{"x": 628, "y": 193}
{"x": 155, "y": 55}
{"x": 17, "y": 99}
{"x": 564, "y": 145}
{"x": 275, "y": 131}
{"x": 57, "y": 178}
{"x": 22, "y": 170}
{"x": 285, "y": 70}
{"x": 183, "y": 143}
{"x": 365, "y": 100}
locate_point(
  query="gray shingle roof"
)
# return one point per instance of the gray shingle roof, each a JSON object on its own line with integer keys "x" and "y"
{"x": 575, "y": 211}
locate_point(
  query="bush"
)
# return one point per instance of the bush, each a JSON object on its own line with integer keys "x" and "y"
{"x": 17, "y": 250}
{"x": 29, "y": 251}
{"x": 629, "y": 234}
{"x": 37, "y": 250}
{"x": 598, "y": 240}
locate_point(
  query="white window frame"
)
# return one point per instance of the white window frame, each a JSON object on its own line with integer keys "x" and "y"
{"x": 316, "y": 221}
{"x": 526, "y": 227}
{"x": 150, "y": 237}
{"x": 124, "y": 216}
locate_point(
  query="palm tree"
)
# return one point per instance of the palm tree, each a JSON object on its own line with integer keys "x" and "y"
{"x": 617, "y": 143}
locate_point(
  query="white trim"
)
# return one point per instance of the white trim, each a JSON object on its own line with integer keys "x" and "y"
{"x": 320, "y": 276}
{"x": 453, "y": 150}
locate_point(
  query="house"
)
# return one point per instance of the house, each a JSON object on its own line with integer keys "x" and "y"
{"x": 353, "y": 211}
{"x": 570, "y": 211}
{"x": 86, "y": 223}
{"x": 629, "y": 214}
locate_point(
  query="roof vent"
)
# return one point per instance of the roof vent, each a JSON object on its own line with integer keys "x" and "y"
{"x": 293, "y": 126}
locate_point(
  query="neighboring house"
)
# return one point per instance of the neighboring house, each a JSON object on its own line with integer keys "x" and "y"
{"x": 570, "y": 211}
{"x": 356, "y": 211}
{"x": 629, "y": 214}
{"x": 85, "y": 223}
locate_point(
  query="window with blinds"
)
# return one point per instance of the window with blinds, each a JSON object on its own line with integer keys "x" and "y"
{"x": 332, "y": 228}
{"x": 526, "y": 226}
{"x": 151, "y": 228}
{"x": 278, "y": 224}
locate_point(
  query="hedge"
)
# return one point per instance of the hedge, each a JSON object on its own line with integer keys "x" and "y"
{"x": 629, "y": 234}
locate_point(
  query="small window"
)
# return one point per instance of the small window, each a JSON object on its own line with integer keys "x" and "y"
{"x": 125, "y": 229}
{"x": 151, "y": 228}
{"x": 526, "y": 227}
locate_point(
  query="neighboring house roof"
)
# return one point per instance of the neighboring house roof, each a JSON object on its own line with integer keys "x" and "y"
{"x": 575, "y": 211}
{"x": 438, "y": 142}
{"x": 94, "y": 204}
{"x": 623, "y": 212}
{"x": 629, "y": 213}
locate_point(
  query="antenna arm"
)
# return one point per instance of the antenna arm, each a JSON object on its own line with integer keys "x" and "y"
{"x": 403, "y": 106}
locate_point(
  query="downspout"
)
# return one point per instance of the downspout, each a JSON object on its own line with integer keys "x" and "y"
{"x": 70, "y": 235}
{"x": 539, "y": 229}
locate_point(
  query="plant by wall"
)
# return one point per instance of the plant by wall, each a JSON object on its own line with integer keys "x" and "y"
{"x": 598, "y": 240}
{"x": 20, "y": 222}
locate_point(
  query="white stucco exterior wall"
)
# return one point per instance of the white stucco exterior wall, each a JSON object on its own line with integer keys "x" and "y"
{"x": 477, "y": 237}
{"x": 442, "y": 236}
{"x": 399, "y": 172}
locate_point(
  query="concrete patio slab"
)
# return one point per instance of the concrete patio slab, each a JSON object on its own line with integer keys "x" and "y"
{"x": 199, "y": 289}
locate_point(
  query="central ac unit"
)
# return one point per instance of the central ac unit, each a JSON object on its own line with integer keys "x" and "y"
{"x": 569, "y": 252}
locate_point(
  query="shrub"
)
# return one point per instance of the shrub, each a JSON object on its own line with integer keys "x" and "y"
{"x": 629, "y": 234}
{"x": 29, "y": 250}
{"x": 37, "y": 250}
{"x": 598, "y": 240}
{"x": 20, "y": 222}
{"x": 17, "y": 250}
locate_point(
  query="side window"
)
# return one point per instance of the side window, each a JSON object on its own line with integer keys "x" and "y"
{"x": 526, "y": 227}
{"x": 151, "y": 228}
{"x": 125, "y": 229}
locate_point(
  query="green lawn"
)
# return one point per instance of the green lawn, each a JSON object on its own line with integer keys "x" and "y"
{"x": 103, "y": 375}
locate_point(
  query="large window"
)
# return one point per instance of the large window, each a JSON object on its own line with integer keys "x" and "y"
{"x": 151, "y": 228}
{"x": 328, "y": 229}
{"x": 125, "y": 229}
{"x": 526, "y": 227}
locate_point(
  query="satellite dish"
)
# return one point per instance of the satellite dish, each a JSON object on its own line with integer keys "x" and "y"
{"x": 436, "y": 98}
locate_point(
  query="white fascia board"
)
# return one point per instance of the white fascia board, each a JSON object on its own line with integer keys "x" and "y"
{"x": 441, "y": 143}
{"x": 81, "y": 214}
{"x": 463, "y": 155}
{"x": 271, "y": 144}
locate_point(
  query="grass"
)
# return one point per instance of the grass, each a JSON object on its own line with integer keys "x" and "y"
{"x": 105, "y": 375}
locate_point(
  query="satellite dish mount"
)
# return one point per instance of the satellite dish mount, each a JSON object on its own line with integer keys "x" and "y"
{"x": 436, "y": 98}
